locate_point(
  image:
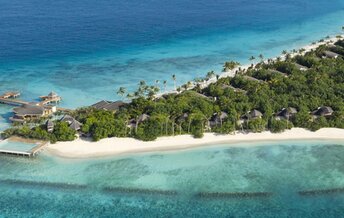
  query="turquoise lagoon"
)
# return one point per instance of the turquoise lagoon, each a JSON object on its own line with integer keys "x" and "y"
{"x": 169, "y": 184}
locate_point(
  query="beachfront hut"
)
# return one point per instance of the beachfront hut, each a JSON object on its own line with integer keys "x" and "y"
{"x": 330, "y": 54}
{"x": 183, "y": 117}
{"x": 250, "y": 78}
{"x": 218, "y": 118}
{"x": 286, "y": 113}
{"x": 323, "y": 111}
{"x": 72, "y": 122}
{"x": 108, "y": 105}
{"x": 225, "y": 86}
{"x": 50, "y": 126}
{"x": 75, "y": 125}
{"x": 277, "y": 72}
{"x": 300, "y": 67}
{"x": 251, "y": 115}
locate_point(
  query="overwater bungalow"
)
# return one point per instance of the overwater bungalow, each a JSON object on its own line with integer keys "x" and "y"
{"x": 31, "y": 111}
{"x": 330, "y": 54}
{"x": 108, "y": 105}
{"x": 286, "y": 113}
{"x": 12, "y": 94}
{"x": 300, "y": 67}
{"x": 323, "y": 112}
{"x": 52, "y": 97}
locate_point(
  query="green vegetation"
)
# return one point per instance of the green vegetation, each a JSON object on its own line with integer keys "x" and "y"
{"x": 281, "y": 84}
{"x": 61, "y": 132}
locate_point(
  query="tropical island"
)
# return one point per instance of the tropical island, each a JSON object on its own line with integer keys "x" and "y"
{"x": 300, "y": 89}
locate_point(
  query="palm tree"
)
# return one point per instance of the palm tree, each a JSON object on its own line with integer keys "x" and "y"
{"x": 284, "y": 52}
{"x": 252, "y": 58}
{"x": 174, "y": 80}
{"x": 210, "y": 75}
{"x": 261, "y": 56}
{"x": 121, "y": 91}
{"x": 165, "y": 84}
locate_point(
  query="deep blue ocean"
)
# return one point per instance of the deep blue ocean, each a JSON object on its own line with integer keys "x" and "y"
{"x": 84, "y": 50}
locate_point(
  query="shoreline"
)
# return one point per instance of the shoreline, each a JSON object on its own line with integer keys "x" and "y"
{"x": 81, "y": 148}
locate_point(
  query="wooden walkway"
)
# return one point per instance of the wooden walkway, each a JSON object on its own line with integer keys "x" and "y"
{"x": 9, "y": 98}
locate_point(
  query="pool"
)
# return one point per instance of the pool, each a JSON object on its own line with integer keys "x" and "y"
{"x": 16, "y": 146}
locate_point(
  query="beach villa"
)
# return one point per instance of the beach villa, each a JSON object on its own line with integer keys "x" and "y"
{"x": 286, "y": 113}
{"x": 323, "y": 112}
{"x": 72, "y": 122}
{"x": 108, "y": 105}
{"x": 330, "y": 54}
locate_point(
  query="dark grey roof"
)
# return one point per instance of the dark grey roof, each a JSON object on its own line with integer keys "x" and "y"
{"x": 219, "y": 116}
{"x": 321, "y": 111}
{"x": 52, "y": 94}
{"x": 183, "y": 117}
{"x": 250, "y": 78}
{"x": 75, "y": 125}
{"x": 28, "y": 109}
{"x": 300, "y": 67}
{"x": 277, "y": 72}
{"x": 331, "y": 54}
{"x": 287, "y": 112}
{"x": 108, "y": 105}
{"x": 67, "y": 118}
{"x": 142, "y": 118}
{"x": 255, "y": 113}
{"x": 50, "y": 124}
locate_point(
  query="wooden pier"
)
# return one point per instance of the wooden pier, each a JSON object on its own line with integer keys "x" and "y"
{"x": 10, "y": 98}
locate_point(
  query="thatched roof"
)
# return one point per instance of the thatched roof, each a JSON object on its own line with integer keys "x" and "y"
{"x": 255, "y": 114}
{"x": 29, "y": 110}
{"x": 323, "y": 111}
{"x": 330, "y": 54}
{"x": 108, "y": 105}
{"x": 287, "y": 112}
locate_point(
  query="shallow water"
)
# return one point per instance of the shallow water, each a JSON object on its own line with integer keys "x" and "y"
{"x": 179, "y": 184}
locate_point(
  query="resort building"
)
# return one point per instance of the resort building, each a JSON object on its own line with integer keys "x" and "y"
{"x": 323, "y": 111}
{"x": 286, "y": 113}
{"x": 72, "y": 122}
{"x": 31, "y": 111}
{"x": 140, "y": 119}
{"x": 300, "y": 67}
{"x": 52, "y": 97}
{"x": 218, "y": 118}
{"x": 250, "y": 78}
{"x": 251, "y": 115}
{"x": 108, "y": 105}
{"x": 278, "y": 72}
{"x": 330, "y": 54}
{"x": 225, "y": 86}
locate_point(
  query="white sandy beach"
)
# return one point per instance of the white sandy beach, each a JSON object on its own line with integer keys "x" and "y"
{"x": 117, "y": 146}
